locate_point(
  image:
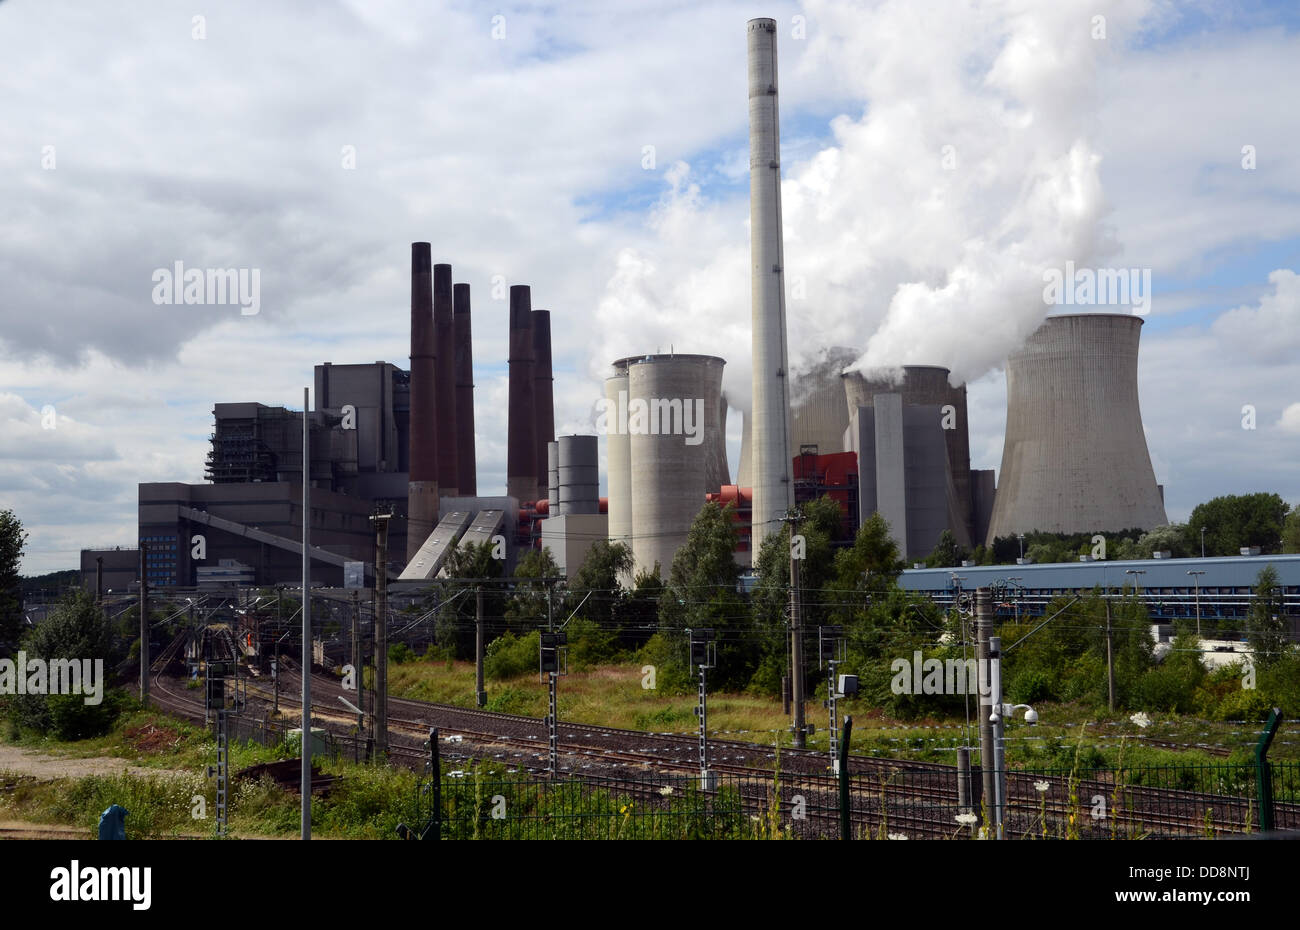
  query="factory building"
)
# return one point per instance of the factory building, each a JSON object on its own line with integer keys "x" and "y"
{"x": 1074, "y": 458}
{"x": 576, "y": 518}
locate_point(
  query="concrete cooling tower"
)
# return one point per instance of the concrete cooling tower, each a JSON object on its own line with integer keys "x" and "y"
{"x": 1075, "y": 459}
{"x": 672, "y": 428}
{"x": 817, "y": 401}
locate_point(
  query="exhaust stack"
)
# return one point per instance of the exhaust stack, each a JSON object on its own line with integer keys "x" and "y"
{"x": 544, "y": 390}
{"x": 466, "y": 461}
{"x": 422, "y": 489}
{"x": 773, "y": 491}
{"x": 445, "y": 373}
{"x": 521, "y": 441}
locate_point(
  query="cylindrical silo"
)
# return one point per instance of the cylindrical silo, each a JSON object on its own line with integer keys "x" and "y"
{"x": 578, "y": 474}
{"x": 673, "y": 403}
{"x": 553, "y": 478}
{"x": 1075, "y": 458}
{"x": 923, "y": 386}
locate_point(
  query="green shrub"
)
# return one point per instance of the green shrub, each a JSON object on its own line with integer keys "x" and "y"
{"x": 509, "y": 656}
{"x": 1169, "y": 688}
{"x": 399, "y": 653}
{"x": 1247, "y": 704}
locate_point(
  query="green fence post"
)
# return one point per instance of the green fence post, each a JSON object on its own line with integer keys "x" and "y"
{"x": 1263, "y": 775}
{"x": 846, "y": 829}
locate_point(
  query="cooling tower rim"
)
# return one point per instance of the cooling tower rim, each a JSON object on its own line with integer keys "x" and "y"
{"x": 1080, "y": 316}
{"x": 676, "y": 356}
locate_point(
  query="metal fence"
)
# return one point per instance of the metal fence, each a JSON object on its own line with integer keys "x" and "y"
{"x": 886, "y": 802}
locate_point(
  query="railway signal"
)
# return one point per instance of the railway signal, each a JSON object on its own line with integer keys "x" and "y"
{"x": 552, "y": 656}
{"x": 830, "y": 646}
{"x": 704, "y": 656}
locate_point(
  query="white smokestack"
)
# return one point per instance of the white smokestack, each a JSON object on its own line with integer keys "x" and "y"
{"x": 773, "y": 492}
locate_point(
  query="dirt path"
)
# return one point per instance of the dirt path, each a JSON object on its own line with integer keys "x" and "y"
{"x": 22, "y": 761}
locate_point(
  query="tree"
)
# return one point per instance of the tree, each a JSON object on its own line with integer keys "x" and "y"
{"x": 1266, "y": 624}
{"x": 454, "y": 624}
{"x": 872, "y": 565}
{"x": 1235, "y": 521}
{"x": 819, "y": 526}
{"x": 12, "y": 539}
{"x": 596, "y": 585}
{"x": 1291, "y": 532}
{"x": 75, "y": 629}
{"x": 946, "y": 552}
{"x": 532, "y": 601}
{"x": 701, "y": 594}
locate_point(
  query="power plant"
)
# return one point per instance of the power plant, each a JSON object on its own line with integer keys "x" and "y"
{"x": 894, "y": 442}
{"x": 1074, "y": 459}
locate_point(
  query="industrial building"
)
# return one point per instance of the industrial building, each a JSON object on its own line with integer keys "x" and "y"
{"x": 1220, "y": 588}
{"x": 1074, "y": 458}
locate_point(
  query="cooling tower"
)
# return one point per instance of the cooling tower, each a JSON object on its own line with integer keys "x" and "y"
{"x": 466, "y": 460}
{"x": 422, "y": 489}
{"x": 521, "y": 429}
{"x": 618, "y": 461}
{"x": 543, "y": 389}
{"x": 926, "y": 385}
{"x": 578, "y": 475}
{"x": 819, "y": 410}
{"x": 670, "y": 450}
{"x": 770, "y": 440}
{"x": 1075, "y": 459}
{"x": 445, "y": 377}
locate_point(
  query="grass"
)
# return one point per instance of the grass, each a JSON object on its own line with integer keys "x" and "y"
{"x": 612, "y": 695}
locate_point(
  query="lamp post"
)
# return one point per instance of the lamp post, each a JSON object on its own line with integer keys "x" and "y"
{"x": 1197, "y": 580}
{"x": 1202, "y": 542}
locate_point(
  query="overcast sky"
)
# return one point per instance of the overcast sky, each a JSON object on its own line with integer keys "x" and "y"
{"x": 936, "y": 156}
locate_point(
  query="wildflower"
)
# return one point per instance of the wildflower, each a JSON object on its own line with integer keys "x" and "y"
{"x": 897, "y": 836}
{"x": 966, "y": 819}
{"x": 666, "y": 790}
{"x": 1141, "y": 719}
{"x": 1042, "y": 786}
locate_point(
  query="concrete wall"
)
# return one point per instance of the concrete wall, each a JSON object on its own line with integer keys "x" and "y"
{"x": 571, "y": 536}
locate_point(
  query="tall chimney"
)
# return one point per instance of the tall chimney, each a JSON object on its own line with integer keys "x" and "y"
{"x": 521, "y": 439}
{"x": 544, "y": 397}
{"x": 773, "y": 492}
{"x": 466, "y": 462}
{"x": 443, "y": 330}
{"x": 422, "y": 489}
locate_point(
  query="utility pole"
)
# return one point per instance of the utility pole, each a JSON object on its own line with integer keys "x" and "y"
{"x": 305, "y": 775}
{"x": 983, "y": 632}
{"x": 1110, "y": 660}
{"x": 796, "y": 641}
{"x": 480, "y": 693}
{"x": 381, "y": 634}
{"x": 144, "y": 624}
{"x": 1196, "y": 577}
{"x": 357, "y": 671}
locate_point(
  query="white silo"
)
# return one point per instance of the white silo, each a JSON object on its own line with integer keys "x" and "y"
{"x": 1075, "y": 458}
